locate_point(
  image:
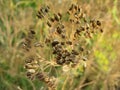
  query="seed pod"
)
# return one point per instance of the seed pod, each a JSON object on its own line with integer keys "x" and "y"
{"x": 69, "y": 42}
{"x": 30, "y": 66}
{"x": 51, "y": 19}
{"x": 47, "y": 9}
{"x": 56, "y": 17}
{"x": 39, "y": 16}
{"x": 26, "y": 46}
{"x": 93, "y": 23}
{"x": 77, "y": 22}
{"x": 29, "y": 60}
{"x": 28, "y": 74}
{"x": 59, "y": 30}
{"x": 72, "y": 6}
{"x": 84, "y": 58}
{"x": 79, "y": 9}
{"x": 59, "y": 14}
{"x": 31, "y": 70}
{"x": 54, "y": 52}
{"x": 71, "y": 20}
{"x": 75, "y": 52}
{"x": 101, "y": 30}
{"x": 68, "y": 12}
{"x": 40, "y": 76}
{"x": 37, "y": 44}
{"x": 98, "y": 23}
{"x": 47, "y": 40}
{"x": 60, "y": 61}
{"x": 32, "y": 32}
{"x": 49, "y": 24}
{"x": 55, "y": 42}
{"x": 75, "y": 7}
{"x": 82, "y": 28}
{"x": 87, "y": 26}
{"x": 62, "y": 43}
{"x": 59, "y": 46}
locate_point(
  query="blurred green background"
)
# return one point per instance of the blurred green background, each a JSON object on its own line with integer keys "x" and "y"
{"x": 103, "y": 71}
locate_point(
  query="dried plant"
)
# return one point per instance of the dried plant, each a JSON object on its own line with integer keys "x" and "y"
{"x": 66, "y": 39}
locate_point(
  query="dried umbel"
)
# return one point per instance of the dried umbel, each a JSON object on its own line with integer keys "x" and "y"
{"x": 84, "y": 28}
{"x": 66, "y": 39}
{"x": 33, "y": 62}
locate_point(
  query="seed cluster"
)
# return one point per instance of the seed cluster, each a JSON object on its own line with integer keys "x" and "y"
{"x": 85, "y": 25}
{"x": 27, "y": 44}
{"x": 32, "y": 62}
{"x": 61, "y": 40}
{"x": 66, "y": 39}
{"x": 63, "y": 56}
{"x": 50, "y": 81}
{"x": 43, "y": 12}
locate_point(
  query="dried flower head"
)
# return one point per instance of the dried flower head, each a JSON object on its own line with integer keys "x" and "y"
{"x": 66, "y": 40}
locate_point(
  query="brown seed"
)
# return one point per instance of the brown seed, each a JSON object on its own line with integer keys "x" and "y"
{"x": 101, "y": 30}
{"x": 69, "y": 42}
{"x": 32, "y": 32}
{"x": 79, "y": 9}
{"x": 39, "y": 16}
{"x": 47, "y": 9}
{"x": 28, "y": 74}
{"x": 75, "y": 6}
{"x": 72, "y": 6}
{"x": 84, "y": 58}
{"x": 93, "y": 23}
{"x": 40, "y": 76}
{"x": 29, "y": 59}
{"x": 98, "y": 23}
{"x": 59, "y": 14}
{"x": 59, "y": 30}
{"x": 77, "y": 22}
{"x": 51, "y": 19}
{"x": 82, "y": 28}
{"x": 47, "y": 40}
{"x": 75, "y": 52}
{"x": 62, "y": 43}
{"x": 81, "y": 48}
{"x": 71, "y": 20}
{"x": 49, "y": 24}
{"x": 61, "y": 61}
{"x": 55, "y": 42}
{"x": 68, "y": 12}
{"x": 56, "y": 17}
